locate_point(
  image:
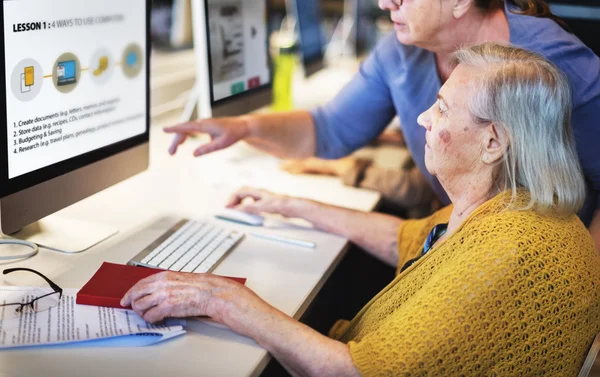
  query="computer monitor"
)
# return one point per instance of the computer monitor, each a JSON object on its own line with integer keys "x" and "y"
{"x": 76, "y": 109}
{"x": 307, "y": 14}
{"x": 232, "y": 55}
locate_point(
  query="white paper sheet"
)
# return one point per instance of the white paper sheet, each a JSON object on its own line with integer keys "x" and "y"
{"x": 72, "y": 323}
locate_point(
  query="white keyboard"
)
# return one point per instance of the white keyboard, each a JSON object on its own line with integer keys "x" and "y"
{"x": 189, "y": 246}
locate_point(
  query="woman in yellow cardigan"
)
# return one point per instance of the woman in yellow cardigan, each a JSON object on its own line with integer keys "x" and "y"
{"x": 506, "y": 282}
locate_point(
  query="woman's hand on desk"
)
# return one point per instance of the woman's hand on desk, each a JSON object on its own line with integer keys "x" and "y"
{"x": 178, "y": 295}
{"x": 376, "y": 233}
{"x": 302, "y": 350}
{"x": 223, "y": 133}
{"x": 265, "y": 201}
{"x": 313, "y": 165}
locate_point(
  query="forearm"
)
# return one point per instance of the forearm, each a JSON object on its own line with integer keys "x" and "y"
{"x": 376, "y": 233}
{"x": 595, "y": 229}
{"x": 179, "y": 295}
{"x": 300, "y": 349}
{"x": 288, "y": 135}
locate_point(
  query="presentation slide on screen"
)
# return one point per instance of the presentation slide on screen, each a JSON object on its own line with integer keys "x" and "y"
{"x": 75, "y": 78}
{"x": 238, "y": 46}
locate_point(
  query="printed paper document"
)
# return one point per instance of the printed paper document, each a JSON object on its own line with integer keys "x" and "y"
{"x": 72, "y": 323}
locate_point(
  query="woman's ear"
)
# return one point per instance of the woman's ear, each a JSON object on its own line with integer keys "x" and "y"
{"x": 461, "y": 7}
{"x": 495, "y": 144}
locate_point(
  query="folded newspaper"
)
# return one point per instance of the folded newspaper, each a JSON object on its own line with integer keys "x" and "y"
{"x": 80, "y": 325}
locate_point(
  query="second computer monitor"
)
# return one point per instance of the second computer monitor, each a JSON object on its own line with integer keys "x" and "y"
{"x": 239, "y": 69}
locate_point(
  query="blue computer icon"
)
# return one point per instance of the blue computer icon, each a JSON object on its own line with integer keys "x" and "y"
{"x": 66, "y": 72}
{"x": 132, "y": 59}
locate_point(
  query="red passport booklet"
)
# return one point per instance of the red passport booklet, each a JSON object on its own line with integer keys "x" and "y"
{"x": 110, "y": 283}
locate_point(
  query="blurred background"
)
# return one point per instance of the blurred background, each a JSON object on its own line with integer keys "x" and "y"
{"x": 171, "y": 21}
{"x": 350, "y": 29}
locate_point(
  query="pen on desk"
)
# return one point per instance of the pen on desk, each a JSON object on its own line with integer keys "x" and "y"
{"x": 291, "y": 241}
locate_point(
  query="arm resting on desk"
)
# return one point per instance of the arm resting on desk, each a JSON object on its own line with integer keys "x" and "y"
{"x": 374, "y": 232}
{"x": 302, "y": 350}
{"x": 407, "y": 188}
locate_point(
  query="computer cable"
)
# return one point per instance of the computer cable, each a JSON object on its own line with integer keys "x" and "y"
{"x": 33, "y": 246}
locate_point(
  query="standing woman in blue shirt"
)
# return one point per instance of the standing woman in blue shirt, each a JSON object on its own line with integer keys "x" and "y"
{"x": 403, "y": 76}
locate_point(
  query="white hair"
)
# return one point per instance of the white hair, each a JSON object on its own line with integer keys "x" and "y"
{"x": 529, "y": 101}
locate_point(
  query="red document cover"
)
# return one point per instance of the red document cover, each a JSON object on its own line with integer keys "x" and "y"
{"x": 110, "y": 283}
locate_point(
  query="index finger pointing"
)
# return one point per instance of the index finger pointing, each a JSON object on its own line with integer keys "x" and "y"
{"x": 177, "y": 141}
{"x": 189, "y": 127}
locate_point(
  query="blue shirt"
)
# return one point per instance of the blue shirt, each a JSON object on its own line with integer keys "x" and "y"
{"x": 403, "y": 80}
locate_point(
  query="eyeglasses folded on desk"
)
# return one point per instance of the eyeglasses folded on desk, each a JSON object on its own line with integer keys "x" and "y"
{"x": 49, "y": 316}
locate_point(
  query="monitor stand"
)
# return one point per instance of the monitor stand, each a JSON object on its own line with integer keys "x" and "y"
{"x": 65, "y": 235}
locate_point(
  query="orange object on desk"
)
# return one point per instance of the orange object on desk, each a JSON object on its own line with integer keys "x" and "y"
{"x": 110, "y": 283}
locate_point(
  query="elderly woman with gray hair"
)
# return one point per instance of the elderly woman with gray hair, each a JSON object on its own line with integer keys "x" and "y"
{"x": 504, "y": 282}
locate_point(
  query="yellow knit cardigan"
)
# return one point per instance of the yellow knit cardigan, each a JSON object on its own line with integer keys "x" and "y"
{"x": 509, "y": 293}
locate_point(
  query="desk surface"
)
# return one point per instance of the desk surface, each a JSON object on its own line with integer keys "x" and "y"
{"x": 287, "y": 277}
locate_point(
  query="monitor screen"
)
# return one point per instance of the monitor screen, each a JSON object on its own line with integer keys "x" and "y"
{"x": 312, "y": 40}
{"x": 76, "y": 81}
{"x": 238, "y": 46}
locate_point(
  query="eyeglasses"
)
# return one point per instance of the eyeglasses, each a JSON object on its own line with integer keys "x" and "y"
{"x": 32, "y": 301}
{"x": 436, "y": 233}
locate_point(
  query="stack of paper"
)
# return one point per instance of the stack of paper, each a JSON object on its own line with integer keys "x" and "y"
{"x": 71, "y": 323}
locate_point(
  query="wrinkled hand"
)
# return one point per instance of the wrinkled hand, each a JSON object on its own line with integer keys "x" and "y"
{"x": 318, "y": 166}
{"x": 178, "y": 295}
{"x": 262, "y": 201}
{"x": 223, "y": 133}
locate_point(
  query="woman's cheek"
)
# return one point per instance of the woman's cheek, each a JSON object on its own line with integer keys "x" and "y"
{"x": 445, "y": 137}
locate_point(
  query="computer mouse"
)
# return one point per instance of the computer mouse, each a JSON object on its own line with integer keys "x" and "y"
{"x": 240, "y": 217}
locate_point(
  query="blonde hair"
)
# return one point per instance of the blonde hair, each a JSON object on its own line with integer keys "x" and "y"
{"x": 529, "y": 101}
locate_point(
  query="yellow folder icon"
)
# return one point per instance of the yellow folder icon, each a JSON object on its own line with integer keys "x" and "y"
{"x": 102, "y": 66}
{"x": 29, "y": 76}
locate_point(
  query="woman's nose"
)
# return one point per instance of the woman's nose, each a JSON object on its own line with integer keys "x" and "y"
{"x": 424, "y": 120}
{"x": 390, "y": 5}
